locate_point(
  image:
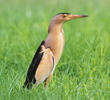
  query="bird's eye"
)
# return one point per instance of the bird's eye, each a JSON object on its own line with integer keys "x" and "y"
{"x": 64, "y": 15}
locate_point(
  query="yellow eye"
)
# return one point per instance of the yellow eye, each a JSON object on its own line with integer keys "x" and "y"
{"x": 65, "y": 15}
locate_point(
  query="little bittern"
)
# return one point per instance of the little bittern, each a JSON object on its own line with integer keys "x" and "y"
{"x": 49, "y": 51}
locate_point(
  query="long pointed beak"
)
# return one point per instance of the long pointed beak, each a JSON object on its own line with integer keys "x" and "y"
{"x": 77, "y": 16}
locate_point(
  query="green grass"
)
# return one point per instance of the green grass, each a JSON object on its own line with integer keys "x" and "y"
{"x": 83, "y": 72}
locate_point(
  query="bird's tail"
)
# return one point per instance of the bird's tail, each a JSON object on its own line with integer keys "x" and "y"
{"x": 27, "y": 84}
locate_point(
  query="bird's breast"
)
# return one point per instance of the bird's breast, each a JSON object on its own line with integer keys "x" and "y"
{"x": 56, "y": 44}
{"x": 61, "y": 45}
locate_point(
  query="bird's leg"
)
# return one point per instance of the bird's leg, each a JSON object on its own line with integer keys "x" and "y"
{"x": 45, "y": 83}
{"x": 47, "y": 80}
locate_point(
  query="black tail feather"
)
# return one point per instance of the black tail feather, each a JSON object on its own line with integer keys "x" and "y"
{"x": 29, "y": 84}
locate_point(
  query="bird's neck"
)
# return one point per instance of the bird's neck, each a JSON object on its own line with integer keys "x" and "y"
{"x": 55, "y": 28}
{"x": 55, "y": 40}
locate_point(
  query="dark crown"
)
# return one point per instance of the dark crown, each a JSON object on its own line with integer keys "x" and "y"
{"x": 63, "y": 13}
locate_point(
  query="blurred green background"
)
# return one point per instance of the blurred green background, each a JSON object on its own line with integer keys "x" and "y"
{"x": 83, "y": 72}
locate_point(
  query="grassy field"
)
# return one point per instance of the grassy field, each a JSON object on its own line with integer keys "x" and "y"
{"x": 83, "y": 72}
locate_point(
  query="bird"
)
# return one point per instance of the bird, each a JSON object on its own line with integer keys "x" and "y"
{"x": 49, "y": 52}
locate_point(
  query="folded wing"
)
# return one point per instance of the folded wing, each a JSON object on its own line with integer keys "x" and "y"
{"x": 42, "y": 64}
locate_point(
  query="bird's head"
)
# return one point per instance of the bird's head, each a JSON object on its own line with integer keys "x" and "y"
{"x": 63, "y": 17}
{"x": 60, "y": 18}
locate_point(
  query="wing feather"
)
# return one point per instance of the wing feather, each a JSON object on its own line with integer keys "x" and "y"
{"x": 33, "y": 67}
{"x": 41, "y": 66}
{"x": 45, "y": 67}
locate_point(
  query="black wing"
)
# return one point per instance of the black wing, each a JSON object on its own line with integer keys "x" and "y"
{"x": 30, "y": 79}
